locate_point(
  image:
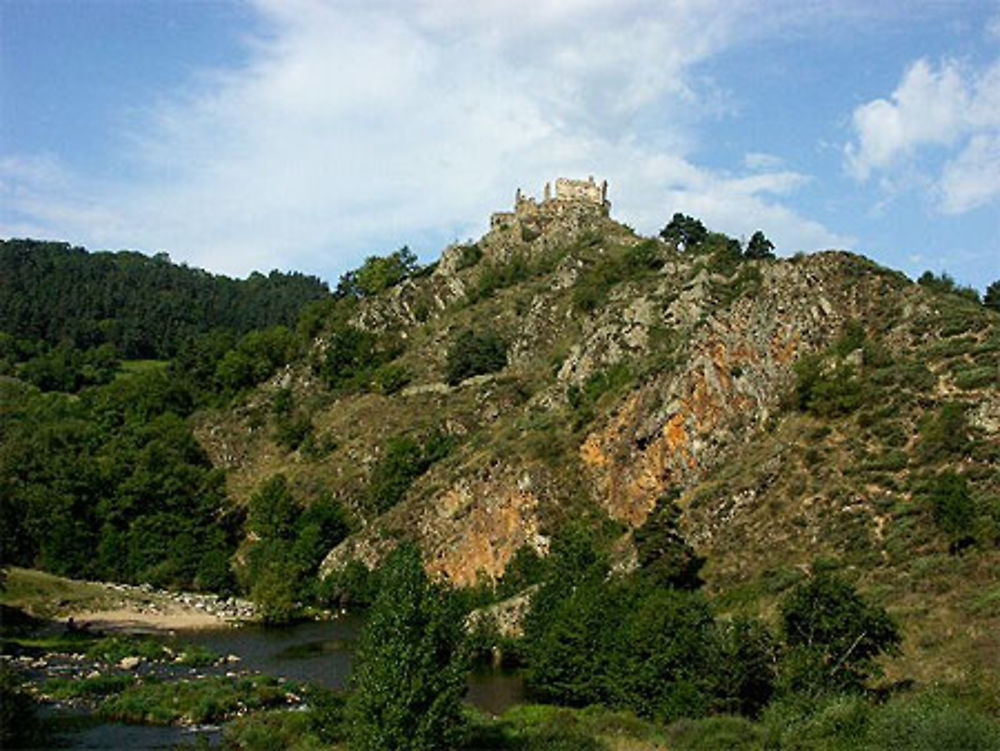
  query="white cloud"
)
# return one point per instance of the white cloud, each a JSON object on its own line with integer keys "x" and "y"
{"x": 758, "y": 160}
{"x": 944, "y": 121}
{"x": 358, "y": 126}
{"x": 993, "y": 26}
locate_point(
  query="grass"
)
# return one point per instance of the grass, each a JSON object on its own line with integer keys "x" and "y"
{"x": 927, "y": 720}
{"x": 45, "y": 595}
{"x": 134, "y": 367}
{"x": 203, "y": 700}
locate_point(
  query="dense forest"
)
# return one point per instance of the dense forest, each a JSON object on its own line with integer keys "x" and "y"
{"x": 64, "y": 309}
{"x": 100, "y": 473}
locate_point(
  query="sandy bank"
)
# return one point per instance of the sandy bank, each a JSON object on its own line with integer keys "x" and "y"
{"x": 134, "y": 620}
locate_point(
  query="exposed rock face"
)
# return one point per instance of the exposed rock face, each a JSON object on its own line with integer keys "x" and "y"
{"x": 678, "y": 426}
{"x": 731, "y": 368}
{"x": 474, "y": 528}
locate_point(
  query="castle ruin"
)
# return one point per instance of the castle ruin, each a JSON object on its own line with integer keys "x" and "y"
{"x": 571, "y": 197}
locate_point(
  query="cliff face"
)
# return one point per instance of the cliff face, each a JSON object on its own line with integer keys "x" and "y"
{"x": 678, "y": 425}
{"x": 634, "y": 369}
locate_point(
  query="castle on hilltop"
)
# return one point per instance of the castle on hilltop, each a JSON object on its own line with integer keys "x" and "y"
{"x": 570, "y": 197}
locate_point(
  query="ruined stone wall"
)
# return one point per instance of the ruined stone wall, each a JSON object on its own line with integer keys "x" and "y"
{"x": 581, "y": 190}
{"x": 581, "y": 194}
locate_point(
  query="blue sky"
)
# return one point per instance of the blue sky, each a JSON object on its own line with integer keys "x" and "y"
{"x": 300, "y": 134}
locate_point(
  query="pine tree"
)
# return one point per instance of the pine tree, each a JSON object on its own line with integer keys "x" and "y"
{"x": 759, "y": 247}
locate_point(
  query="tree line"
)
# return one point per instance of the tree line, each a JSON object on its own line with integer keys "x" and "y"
{"x": 55, "y": 295}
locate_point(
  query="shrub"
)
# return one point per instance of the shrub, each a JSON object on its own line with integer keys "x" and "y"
{"x": 475, "y": 354}
{"x": 17, "y": 711}
{"x": 391, "y": 378}
{"x": 946, "y": 284}
{"x": 944, "y": 434}
{"x": 826, "y": 388}
{"x": 469, "y": 255}
{"x": 349, "y": 355}
{"x": 952, "y": 506}
{"x": 291, "y": 432}
{"x": 642, "y": 257}
{"x": 930, "y": 722}
{"x": 714, "y": 733}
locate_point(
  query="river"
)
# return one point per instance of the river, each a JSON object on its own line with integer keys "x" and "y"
{"x": 315, "y": 651}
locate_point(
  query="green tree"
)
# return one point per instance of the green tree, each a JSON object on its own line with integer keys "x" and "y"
{"x": 833, "y": 637}
{"x": 410, "y": 669}
{"x": 275, "y": 581}
{"x": 404, "y": 459}
{"x": 745, "y": 674}
{"x": 474, "y": 354}
{"x": 272, "y": 511}
{"x": 992, "y": 297}
{"x": 378, "y": 273}
{"x": 663, "y": 553}
{"x": 662, "y": 664}
{"x": 684, "y": 231}
{"x": 759, "y": 247}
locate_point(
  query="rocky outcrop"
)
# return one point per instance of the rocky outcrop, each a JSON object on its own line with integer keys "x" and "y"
{"x": 736, "y": 368}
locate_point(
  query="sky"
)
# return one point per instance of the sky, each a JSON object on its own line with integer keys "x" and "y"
{"x": 309, "y": 134}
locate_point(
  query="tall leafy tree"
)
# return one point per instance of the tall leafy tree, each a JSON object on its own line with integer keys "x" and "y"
{"x": 834, "y": 637}
{"x": 664, "y": 555}
{"x": 410, "y": 668}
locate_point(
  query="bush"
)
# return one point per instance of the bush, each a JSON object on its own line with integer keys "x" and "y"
{"x": 952, "y": 506}
{"x": 930, "y": 722}
{"x": 944, "y": 434}
{"x": 17, "y": 711}
{"x": 826, "y": 388}
{"x": 715, "y": 733}
{"x": 391, "y": 378}
{"x": 469, "y": 256}
{"x": 291, "y": 432}
{"x": 349, "y": 358}
{"x": 473, "y": 354}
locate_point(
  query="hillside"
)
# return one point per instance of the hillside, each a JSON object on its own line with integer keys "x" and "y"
{"x": 816, "y": 412}
{"x": 144, "y": 307}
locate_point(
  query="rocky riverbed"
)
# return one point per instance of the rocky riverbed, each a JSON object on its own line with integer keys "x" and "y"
{"x": 149, "y": 600}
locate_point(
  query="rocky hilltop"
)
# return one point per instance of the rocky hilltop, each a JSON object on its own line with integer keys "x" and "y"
{"x": 800, "y": 407}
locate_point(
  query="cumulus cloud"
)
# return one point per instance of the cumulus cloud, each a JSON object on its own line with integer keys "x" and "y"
{"x": 356, "y": 127}
{"x": 944, "y": 121}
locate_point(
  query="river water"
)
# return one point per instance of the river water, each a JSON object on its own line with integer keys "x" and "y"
{"x": 315, "y": 651}
{"x": 321, "y": 651}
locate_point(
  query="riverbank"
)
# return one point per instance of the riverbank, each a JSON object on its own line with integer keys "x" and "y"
{"x": 104, "y": 606}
